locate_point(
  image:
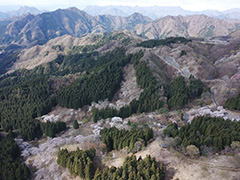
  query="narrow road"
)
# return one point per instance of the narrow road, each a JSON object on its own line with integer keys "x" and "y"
{"x": 212, "y": 96}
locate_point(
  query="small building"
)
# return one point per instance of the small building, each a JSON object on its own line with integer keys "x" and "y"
{"x": 164, "y": 146}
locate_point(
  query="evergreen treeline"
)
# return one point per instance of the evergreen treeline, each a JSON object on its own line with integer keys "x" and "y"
{"x": 71, "y": 64}
{"x": 117, "y": 139}
{"x": 79, "y": 163}
{"x": 180, "y": 93}
{"x": 158, "y": 42}
{"x": 149, "y": 99}
{"x": 233, "y": 103}
{"x": 132, "y": 169}
{"x": 61, "y": 66}
{"x": 205, "y": 130}
{"x": 104, "y": 113}
{"x": 51, "y": 129}
{"x": 11, "y": 166}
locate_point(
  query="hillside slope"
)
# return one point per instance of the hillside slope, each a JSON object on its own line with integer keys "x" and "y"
{"x": 189, "y": 26}
{"x": 214, "y": 61}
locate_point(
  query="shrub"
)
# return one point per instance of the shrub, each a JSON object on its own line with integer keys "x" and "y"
{"x": 75, "y": 124}
{"x": 192, "y": 151}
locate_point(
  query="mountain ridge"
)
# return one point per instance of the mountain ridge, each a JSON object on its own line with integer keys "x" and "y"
{"x": 22, "y": 10}
{"x": 43, "y": 27}
{"x": 155, "y": 12}
{"x": 187, "y": 26}
{"x": 38, "y": 29}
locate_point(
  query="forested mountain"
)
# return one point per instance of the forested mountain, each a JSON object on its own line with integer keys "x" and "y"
{"x": 82, "y": 74}
{"x": 26, "y": 95}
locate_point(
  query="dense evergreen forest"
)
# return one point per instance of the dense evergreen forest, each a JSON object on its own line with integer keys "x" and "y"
{"x": 206, "y": 131}
{"x": 117, "y": 139}
{"x": 162, "y": 42}
{"x": 11, "y": 165}
{"x": 233, "y": 103}
{"x": 23, "y": 102}
{"x": 180, "y": 93}
{"x": 26, "y": 94}
{"x": 95, "y": 87}
{"x": 80, "y": 163}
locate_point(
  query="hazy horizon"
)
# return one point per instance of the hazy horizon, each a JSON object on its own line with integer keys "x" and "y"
{"x": 185, "y": 4}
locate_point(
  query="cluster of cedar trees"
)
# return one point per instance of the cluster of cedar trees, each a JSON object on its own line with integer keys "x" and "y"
{"x": 117, "y": 139}
{"x": 11, "y": 166}
{"x": 206, "y": 131}
{"x": 133, "y": 168}
{"x": 233, "y": 103}
{"x": 80, "y": 163}
{"x": 180, "y": 93}
{"x": 50, "y": 128}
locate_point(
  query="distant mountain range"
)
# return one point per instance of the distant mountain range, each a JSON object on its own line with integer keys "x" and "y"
{"x": 43, "y": 27}
{"x": 38, "y": 29}
{"x": 187, "y": 26}
{"x": 155, "y": 12}
{"x": 19, "y": 12}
